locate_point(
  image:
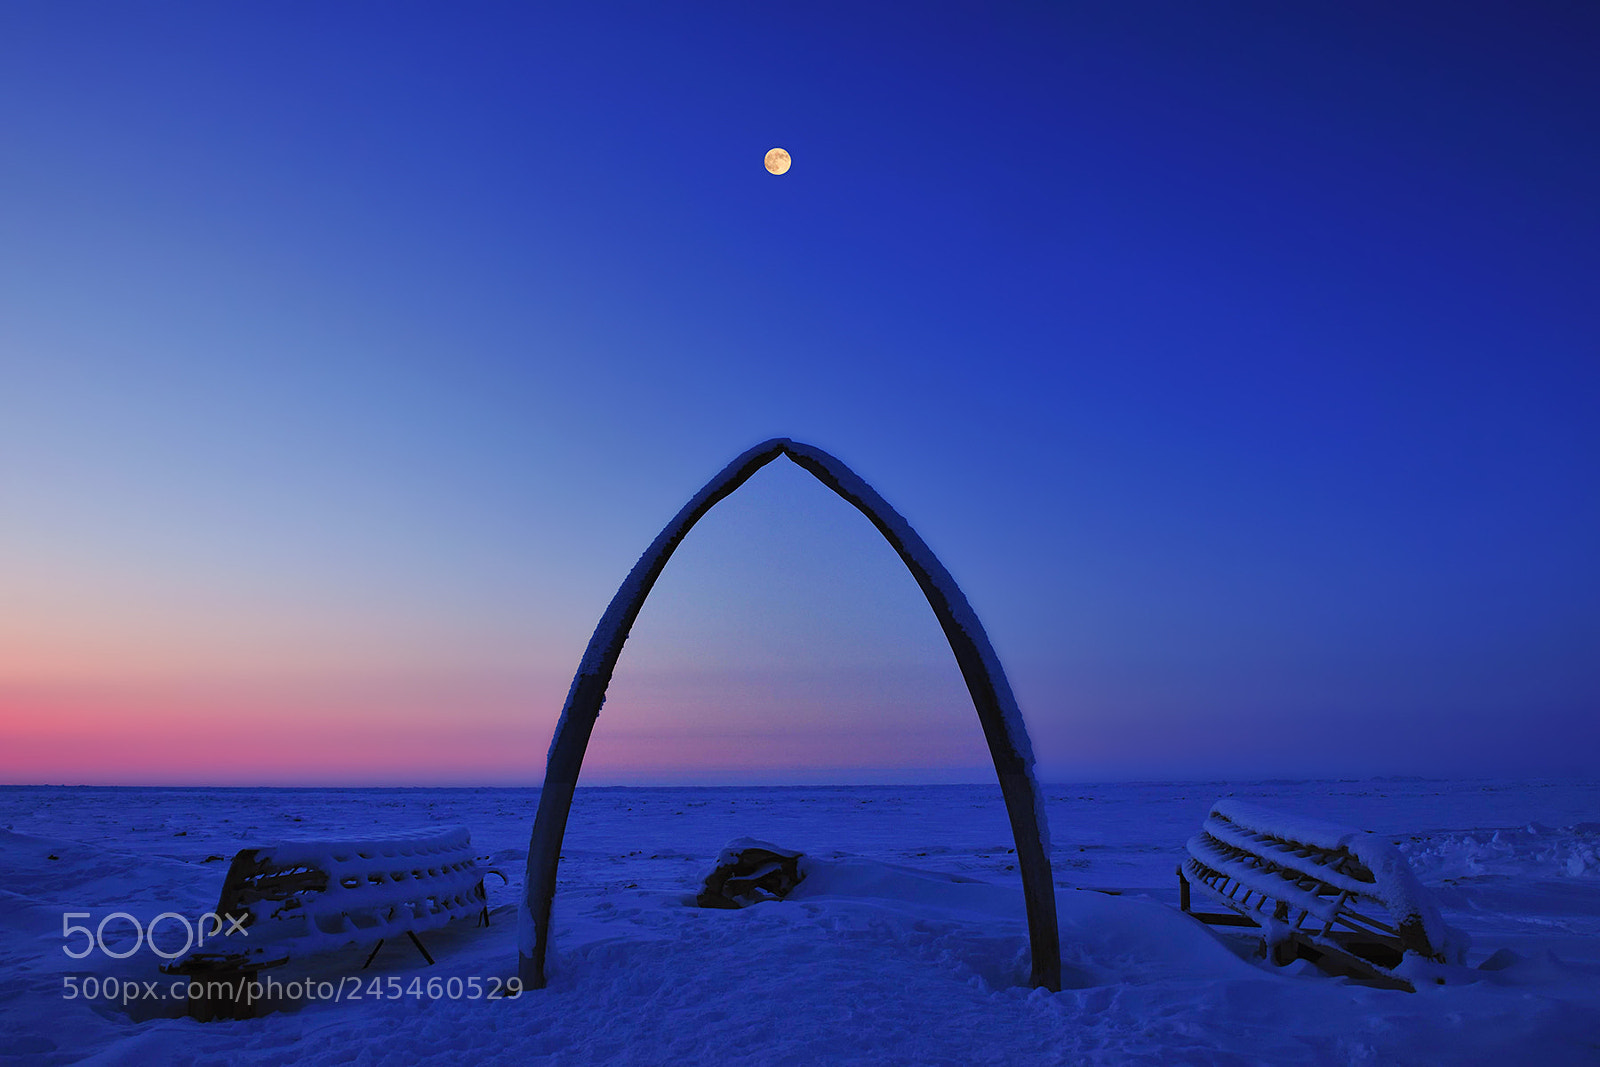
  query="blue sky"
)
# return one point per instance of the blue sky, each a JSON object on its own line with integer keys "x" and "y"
{"x": 1240, "y": 361}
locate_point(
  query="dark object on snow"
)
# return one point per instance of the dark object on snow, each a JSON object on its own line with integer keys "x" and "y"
{"x": 750, "y": 871}
{"x": 1344, "y": 899}
{"x": 980, "y": 667}
{"x": 222, "y": 985}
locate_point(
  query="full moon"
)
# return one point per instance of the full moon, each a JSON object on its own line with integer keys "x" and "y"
{"x": 777, "y": 161}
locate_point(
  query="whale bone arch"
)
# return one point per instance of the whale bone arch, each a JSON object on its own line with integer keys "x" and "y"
{"x": 997, "y": 710}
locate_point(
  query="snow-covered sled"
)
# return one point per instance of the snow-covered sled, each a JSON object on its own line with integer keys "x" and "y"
{"x": 305, "y": 897}
{"x": 1344, "y": 899}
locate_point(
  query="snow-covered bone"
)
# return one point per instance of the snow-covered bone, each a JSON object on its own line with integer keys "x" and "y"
{"x": 992, "y": 698}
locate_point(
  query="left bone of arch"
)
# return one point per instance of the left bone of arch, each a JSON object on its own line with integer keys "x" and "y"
{"x": 997, "y": 710}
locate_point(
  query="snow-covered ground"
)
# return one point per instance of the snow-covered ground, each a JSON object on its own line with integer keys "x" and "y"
{"x": 905, "y": 944}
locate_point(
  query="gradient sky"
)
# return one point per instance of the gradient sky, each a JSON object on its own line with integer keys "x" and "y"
{"x": 1242, "y": 362}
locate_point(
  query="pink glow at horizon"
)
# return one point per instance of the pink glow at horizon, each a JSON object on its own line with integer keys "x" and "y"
{"x": 222, "y": 733}
{"x": 197, "y": 734}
